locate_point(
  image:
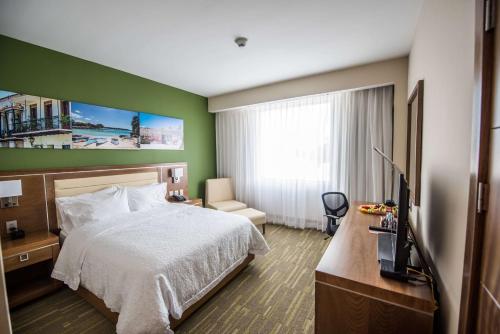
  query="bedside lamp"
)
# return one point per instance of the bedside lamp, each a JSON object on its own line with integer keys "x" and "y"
{"x": 9, "y": 192}
{"x": 177, "y": 173}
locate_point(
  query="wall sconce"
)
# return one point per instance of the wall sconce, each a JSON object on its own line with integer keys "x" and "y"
{"x": 9, "y": 192}
{"x": 177, "y": 173}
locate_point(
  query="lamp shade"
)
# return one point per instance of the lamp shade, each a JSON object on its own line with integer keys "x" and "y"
{"x": 10, "y": 188}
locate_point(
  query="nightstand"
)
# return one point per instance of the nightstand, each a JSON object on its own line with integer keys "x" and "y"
{"x": 191, "y": 201}
{"x": 28, "y": 263}
{"x": 194, "y": 201}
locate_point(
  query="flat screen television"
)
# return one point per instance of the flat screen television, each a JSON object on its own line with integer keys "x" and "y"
{"x": 395, "y": 266}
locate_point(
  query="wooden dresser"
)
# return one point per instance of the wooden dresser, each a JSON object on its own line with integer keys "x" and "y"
{"x": 352, "y": 297}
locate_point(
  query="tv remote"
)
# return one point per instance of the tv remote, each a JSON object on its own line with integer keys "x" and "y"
{"x": 380, "y": 229}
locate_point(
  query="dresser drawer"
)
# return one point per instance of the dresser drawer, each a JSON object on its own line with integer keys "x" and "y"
{"x": 25, "y": 259}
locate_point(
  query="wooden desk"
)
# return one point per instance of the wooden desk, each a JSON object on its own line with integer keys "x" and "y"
{"x": 352, "y": 297}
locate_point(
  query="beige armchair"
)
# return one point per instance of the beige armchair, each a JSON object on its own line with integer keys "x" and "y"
{"x": 219, "y": 195}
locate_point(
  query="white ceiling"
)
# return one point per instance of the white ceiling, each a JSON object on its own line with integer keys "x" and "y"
{"x": 189, "y": 44}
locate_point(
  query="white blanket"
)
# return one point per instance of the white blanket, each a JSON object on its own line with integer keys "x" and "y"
{"x": 147, "y": 265}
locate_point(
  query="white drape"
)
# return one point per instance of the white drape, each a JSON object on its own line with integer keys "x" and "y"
{"x": 283, "y": 155}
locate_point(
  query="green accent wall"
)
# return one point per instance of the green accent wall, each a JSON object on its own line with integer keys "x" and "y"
{"x": 30, "y": 69}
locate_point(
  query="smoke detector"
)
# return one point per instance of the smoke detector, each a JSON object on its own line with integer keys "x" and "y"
{"x": 241, "y": 41}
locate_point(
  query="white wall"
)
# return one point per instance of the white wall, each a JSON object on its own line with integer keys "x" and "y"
{"x": 393, "y": 71}
{"x": 443, "y": 54}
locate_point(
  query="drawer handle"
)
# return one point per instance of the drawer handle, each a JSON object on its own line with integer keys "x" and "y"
{"x": 24, "y": 257}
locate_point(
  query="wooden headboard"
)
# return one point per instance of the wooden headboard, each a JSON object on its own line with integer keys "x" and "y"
{"x": 73, "y": 187}
{"x": 37, "y": 210}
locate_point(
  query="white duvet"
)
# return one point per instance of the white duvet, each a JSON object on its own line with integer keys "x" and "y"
{"x": 147, "y": 265}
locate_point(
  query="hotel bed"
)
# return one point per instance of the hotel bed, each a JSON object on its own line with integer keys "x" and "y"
{"x": 153, "y": 266}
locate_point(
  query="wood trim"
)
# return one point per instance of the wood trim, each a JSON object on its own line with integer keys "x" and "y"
{"x": 429, "y": 312}
{"x": 481, "y": 123}
{"x": 30, "y": 242}
{"x": 33, "y": 256}
{"x": 98, "y": 304}
{"x": 418, "y": 94}
{"x": 174, "y": 323}
{"x": 88, "y": 169}
{"x": 340, "y": 310}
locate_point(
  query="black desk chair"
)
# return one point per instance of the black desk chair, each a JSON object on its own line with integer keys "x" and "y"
{"x": 336, "y": 206}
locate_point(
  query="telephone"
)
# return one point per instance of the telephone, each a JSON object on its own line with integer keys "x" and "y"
{"x": 16, "y": 233}
{"x": 179, "y": 198}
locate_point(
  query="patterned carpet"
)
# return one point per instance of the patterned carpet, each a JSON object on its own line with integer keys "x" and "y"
{"x": 274, "y": 294}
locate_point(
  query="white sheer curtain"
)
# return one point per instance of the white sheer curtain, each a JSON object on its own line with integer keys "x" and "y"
{"x": 283, "y": 155}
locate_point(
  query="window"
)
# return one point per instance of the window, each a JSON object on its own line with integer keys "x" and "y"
{"x": 283, "y": 155}
{"x": 295, "y": 144}
{"x": 47, "y": 107}
{"x": 33, "y": 112}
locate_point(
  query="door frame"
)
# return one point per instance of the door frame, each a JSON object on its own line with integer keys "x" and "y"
{"x": 480, "y": 156}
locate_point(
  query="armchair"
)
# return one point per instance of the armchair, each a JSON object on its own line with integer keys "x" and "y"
{"x": 219, "y": 195}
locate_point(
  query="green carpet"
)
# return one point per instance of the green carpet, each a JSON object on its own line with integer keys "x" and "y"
{"x": 274, "y": 294}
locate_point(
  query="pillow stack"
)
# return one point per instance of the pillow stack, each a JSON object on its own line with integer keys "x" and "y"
{"x": 145, "y": 197}
{"x": 76, "y": 211}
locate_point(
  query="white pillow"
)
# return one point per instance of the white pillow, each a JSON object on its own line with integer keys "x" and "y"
{"x": 146, "y": 197}
{"x": 76, "y": 211}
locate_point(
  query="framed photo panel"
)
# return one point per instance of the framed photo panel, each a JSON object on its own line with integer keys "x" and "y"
{"x": 28, "y": 121}
{"x": 95, "y": 127}
{"x": 161, "y": 133}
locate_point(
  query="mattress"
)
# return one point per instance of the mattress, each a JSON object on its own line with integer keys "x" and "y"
{"x": 149, "y": 265}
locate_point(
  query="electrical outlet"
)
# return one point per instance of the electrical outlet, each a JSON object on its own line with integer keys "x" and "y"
{"x": 11, "y": 224}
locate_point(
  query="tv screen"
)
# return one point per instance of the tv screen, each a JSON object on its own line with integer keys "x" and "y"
{"x": 401, "y": 251}
{"x": 396, "y": 184}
